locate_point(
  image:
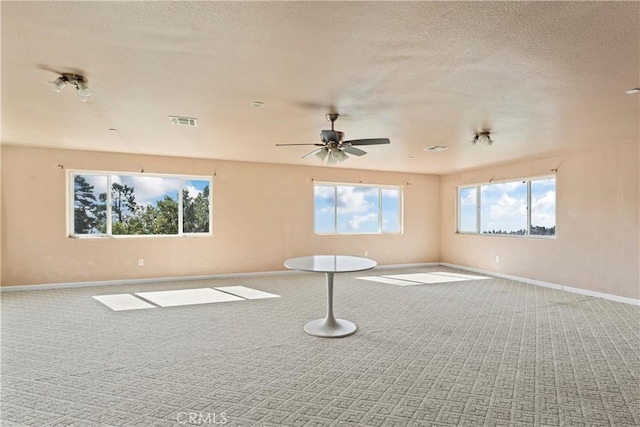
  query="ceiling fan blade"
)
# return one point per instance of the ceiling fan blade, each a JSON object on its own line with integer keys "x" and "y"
{"x": 353, "y": 150}
{"x": 285, "y": 145}
{"x": 372, "y": 141}
{"x": 313, "y": 152}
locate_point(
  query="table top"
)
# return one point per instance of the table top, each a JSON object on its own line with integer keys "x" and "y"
{"x": 330, "y": 263}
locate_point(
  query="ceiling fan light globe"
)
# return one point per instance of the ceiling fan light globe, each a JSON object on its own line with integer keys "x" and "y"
{"x": 337, "y": 156}
{"x": 58, "y": 84}
{"x": 322, "y": 154}
{"x": 84, "y": 93}
{"x": 485, "y": 139}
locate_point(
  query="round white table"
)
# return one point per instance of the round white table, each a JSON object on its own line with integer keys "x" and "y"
{"x": 330, "y": 327}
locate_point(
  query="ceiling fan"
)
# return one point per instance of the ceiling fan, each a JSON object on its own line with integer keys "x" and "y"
{"x": 333, "y": 147}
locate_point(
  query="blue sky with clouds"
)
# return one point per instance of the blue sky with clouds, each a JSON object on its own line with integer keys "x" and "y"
{"x": 504, "y": 206}
{"x": 356, "y": 209}
{"x": 147, "y": 189}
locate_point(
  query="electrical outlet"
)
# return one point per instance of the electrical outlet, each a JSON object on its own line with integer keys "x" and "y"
{"x": 497, "y": 258}
{"x": 140, "y": 262}
{"x": 366, "y": 253}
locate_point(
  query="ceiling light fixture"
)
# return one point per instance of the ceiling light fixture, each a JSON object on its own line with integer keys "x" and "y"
{"x": 80, "y": 82}
{"x": 257, "y": 104}
{"x": 633, "y": 91}
{"x": 482, "y": 138}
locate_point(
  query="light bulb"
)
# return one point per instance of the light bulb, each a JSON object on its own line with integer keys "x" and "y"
{"x": 322, "y": 154}
{"x": 84, "y": 93}
{"x": 483, "y": 138}
{"x": 336, "y": 156}
{"x": 331, "y": 160}
{"x": 58, "y": 84}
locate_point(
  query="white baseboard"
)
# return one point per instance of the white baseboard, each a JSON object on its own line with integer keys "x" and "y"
{"x": 610, "y": 297}
{"x": 420, "y": 264}
{"x": 46, "y": 286}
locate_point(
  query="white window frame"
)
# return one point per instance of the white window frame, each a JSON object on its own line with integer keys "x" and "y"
{"x": 335, "y": 186}
{"x": 479, "y": 208}
{"x": 181, "y": 178}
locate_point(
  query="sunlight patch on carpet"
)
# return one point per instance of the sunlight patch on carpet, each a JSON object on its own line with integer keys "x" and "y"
{"x": 426, "y": 278}
{"x": 460, "y": 276}
{"x": 383, "y": 279}
{"x": 122, "y": 302}
{"x": 422, "y": 278}
{"x": 187, "y": 297}
{"x": 247, "y": 293}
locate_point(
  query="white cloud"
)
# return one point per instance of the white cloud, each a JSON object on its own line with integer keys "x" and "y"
{"x": 353, "y": 199}
{"x": 389, "y": 193}
{"x": 507, "y": 187}
{"x": 357, "y": 220}
{"x": 323, "y": 192}
{"x": 148, "y": 189}
{"x": 469, "y": 199}
{"x": 507, "y": 213}
{"x": 192, "y": 191}
{"x": 543, "y": 210}
{"x": 507, "y": 207}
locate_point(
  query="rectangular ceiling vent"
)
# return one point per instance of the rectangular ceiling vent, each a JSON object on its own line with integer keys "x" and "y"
{"x": 183, "y": 121}
{"x": 436, "y": 148}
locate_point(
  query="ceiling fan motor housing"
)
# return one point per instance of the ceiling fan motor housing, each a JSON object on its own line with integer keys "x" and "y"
{"x": 329, "y": 136}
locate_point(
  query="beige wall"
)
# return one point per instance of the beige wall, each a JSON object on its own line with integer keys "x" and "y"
{"x": 262, "y": 215}
{"x": 598, "y": 223}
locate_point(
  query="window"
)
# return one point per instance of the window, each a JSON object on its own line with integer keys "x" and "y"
{"x": 357, "y": 209}
{"x": 543, "y": 207}
{"x": 517, "y": 208}
{"x": 503, "y": 208}
{"x": 468, "y": 210}
{"x": 107, "y": 204}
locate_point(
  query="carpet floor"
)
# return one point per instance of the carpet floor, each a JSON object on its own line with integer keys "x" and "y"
{"x": 490, "y": 352}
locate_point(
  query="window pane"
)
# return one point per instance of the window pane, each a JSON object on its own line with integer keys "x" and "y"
{"x": 543, "y": 207}
{"x": 195, "y": 206}
{"x": 390, "y": 210}
{"x": 357, "y": 209}
{"x": 504, "y": 208}
{"x": 144, "y": 205}
{"x": 324, "y": 203}
{"x": 89, "y": 204}
{"x": 467, "y": 210}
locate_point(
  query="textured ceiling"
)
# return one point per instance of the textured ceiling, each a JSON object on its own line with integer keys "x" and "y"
{"x": 545, "y": 77}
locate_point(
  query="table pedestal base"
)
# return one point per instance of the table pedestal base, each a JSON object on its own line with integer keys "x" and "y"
{"x": 330, "y": 328}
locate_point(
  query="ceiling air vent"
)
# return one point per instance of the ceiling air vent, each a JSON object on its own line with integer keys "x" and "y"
{"x": 436, "y": 148}
{"x": 183, "y": 121}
